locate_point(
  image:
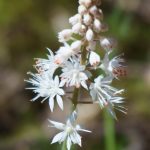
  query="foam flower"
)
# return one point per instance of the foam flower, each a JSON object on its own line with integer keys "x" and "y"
{"x": 46, "y": 65}
{"x": 114, "y": 67}
{"x": 69, "y": 133}
{"x": 74, "y": 74}
{"x": 102, "y": 91}
{"x": 47, "y": 88}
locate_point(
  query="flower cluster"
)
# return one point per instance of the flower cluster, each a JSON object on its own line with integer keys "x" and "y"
{"x": 84, "y": 51}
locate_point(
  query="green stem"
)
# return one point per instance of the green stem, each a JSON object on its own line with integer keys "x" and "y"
{"x": 75, "y": 98}
{"x": 84, "y": 53}
{"x": 64, "y": 146}
{"x": 109, "y": 127}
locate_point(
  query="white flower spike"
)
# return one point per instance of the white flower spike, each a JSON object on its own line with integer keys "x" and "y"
{"x": 75, "y": 67}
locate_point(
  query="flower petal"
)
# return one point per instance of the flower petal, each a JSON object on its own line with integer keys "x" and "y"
{"x": 57, "y": 125}
{"x": 59, "y": 101}
{"x": 56, "y": 80}
{"x": 51, "y": 103}
{"x": 78, "y": 138}
{"x": 57, "y": 137}
{"x": 68, "y": 143}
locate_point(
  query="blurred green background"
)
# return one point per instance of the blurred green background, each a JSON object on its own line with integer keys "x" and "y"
{"x": 27, "y": 27}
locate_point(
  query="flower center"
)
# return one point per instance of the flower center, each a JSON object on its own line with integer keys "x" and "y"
{"x": 68, "y": 129}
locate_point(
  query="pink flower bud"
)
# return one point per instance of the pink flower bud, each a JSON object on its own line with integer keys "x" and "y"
{"x": 82, "y": 9}
{"x": 86, "y": 3}
{"x": 89, "y": 35}
{"x": 97, "y": 25}
{"x": 77, "y": 28}
{"x": 94, "y": 59}
{"x": 75, "y": 19}
{"x": 76, "y": 46}
{"x": 87, "y": 19}
{"x": 107, "y": 43}
{"x": 65, "y": 35}
{"x": 93, "y": 10}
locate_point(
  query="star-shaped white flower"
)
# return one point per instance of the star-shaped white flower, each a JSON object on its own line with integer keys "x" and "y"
{"x": 114, "y": 67}
{"x": 74, "y": 74}
{"x": 115, "y": 103}
{"x": 47, "y": 64}
{"x": 48, "y": 88}
{"x": 101, "y": 90}
{"x": 69, "y": 133}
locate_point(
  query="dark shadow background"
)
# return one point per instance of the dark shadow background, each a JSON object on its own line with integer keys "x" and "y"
{"x": 27, "y": 27}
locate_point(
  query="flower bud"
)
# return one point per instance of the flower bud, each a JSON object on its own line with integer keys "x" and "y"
{"x": 82, "y": 9}
{"x": 87, "y": 19}
{"x": 86, "y": 3}
{"x": 75, "y": 19}
{"x": 94, "y": 59}
{"x": 65, "y": 35}
{"x": 89, "y": 35}
{"x": 97, "y": 25}
{"x": 99, "y": 14}
{"x": 93, "y": 10}
{"x": 76, "y": 46}
{"x": 83, "y": 29}
{"x": 77, "y": 28}
{"x": 63, "y": 54}
{"x": 107, "y": 43}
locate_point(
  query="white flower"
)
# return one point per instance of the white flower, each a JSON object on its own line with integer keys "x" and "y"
{"x": 44, "y": 86}
{"x": 48, "y": 65}
{"x": 75, "y": 19}
{"x": 74, "y": 74}
{"x": 94, "y": 59}
{"x": 67, "y": 51}
{"x": 87, "y": 19}
{"x": 113, "y": 67}
{"x": 101, "y": 90}
{"x": 69, "y": 133}
{"x": 115, "y": 103}
{"x": 89, "y": 35}
{"x": 65, "y": 35}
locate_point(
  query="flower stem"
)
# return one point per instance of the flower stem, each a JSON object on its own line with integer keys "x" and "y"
{"x": 64, "y": 146}
{"x": 75, "y": 98}
{"x": 84, "y": 53}
{"x": 109, "y": 128}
